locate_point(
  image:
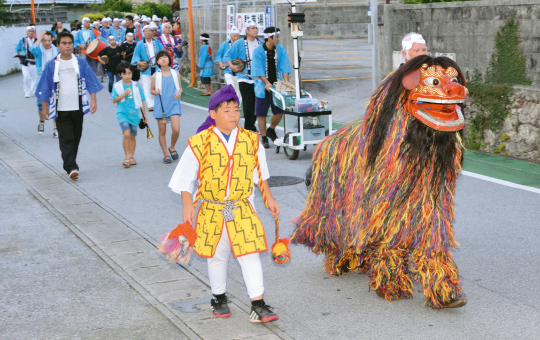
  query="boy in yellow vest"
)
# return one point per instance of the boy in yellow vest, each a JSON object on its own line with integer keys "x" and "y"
{"x": 227, "y": 161}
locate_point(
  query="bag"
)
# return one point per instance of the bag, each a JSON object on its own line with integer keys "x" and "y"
{"x": 142, "y": 124}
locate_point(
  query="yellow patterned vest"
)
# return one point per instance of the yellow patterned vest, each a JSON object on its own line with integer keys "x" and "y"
{"x": 246, "y": 232}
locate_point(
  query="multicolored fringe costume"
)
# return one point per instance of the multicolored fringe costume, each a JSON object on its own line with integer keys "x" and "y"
{"x": 381, "y": 199}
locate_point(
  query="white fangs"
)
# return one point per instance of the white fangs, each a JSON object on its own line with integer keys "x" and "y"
{"x": 440, "y": 101}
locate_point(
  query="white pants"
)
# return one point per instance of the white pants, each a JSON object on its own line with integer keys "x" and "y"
{"x": 146, "y": 83}
{"x": 29, "y": 79}
{"x": 233, "y": 80}
{"x": 250, "y": 264}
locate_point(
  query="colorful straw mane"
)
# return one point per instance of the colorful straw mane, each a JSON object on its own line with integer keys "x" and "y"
{"x": 382, "y": 195}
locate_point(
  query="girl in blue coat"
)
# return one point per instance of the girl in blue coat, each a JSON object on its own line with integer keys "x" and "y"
{"x": 206, "y": 64}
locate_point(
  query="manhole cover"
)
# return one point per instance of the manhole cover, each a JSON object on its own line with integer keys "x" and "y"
{"x": 281, "y": 181}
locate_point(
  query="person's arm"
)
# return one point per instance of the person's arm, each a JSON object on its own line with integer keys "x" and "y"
{"x": 273, "y": 206}
{"x": 19, "y": 48}
{"x": 119, "y": 97}
{"x": 79, "y": 41}
{"x": 188, "y": 210}
{"x": 203, "y": 53}
{"x": 153, "y": 86}
{"x": 180, "y": 84}
{"x": 93, "y": 103}
{"x": 101, "y": 53}
{"x": 38, "y": 40}
{"x": 284, "y": 64}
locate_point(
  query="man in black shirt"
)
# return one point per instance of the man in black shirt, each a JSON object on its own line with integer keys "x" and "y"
{"x": 111, "y": 56}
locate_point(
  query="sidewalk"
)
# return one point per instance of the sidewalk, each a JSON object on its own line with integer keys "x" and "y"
{"x": 58, "y": 262}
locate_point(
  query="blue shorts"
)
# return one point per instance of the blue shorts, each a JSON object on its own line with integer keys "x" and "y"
{"x": 263, "y": 104}
{"x": 132, "y": 128}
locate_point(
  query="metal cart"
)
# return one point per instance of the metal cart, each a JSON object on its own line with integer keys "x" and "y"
{"x": 300, "y": 128}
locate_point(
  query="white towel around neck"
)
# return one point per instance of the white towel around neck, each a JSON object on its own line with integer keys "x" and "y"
{"x": 119, "y": 88}
{"x": 75, "y": 62}
{"x": 159, "y": 76}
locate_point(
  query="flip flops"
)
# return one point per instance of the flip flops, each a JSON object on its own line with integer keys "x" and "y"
{"x": 132, "y": 161}
{"x": 174, "y": 154}
{"x": 167, "y": 160}
{"x": 126, "y": 163}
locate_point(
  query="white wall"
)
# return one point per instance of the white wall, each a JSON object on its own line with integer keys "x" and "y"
{"x": 9, "y": 37}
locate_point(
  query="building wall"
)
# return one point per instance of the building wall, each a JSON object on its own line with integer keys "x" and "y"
{"x": 9, "y": 37}
{"x": 337, "y": 22}
{"x": 465, "y": 28}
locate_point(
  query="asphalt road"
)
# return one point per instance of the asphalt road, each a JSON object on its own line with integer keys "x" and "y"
{"x": 496, "y": 225}
{"x": 338, "y": 71}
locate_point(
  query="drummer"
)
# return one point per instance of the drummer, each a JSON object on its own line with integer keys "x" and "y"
{"x": 146, "y": 51}
{"x": 83, "y": 38}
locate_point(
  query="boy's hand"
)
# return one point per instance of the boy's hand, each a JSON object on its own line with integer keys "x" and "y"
{"x": 188, "y": 213}
{"x": 127, "y": 92}
{"x": 273, "y": 206}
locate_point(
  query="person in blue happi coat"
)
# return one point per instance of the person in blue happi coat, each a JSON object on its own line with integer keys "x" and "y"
{"x": 44, "y": 51}
{"x": 243, "y": 49}
{"x": 270, "y": 64}
{"x": 63, "y": 88}
{"x": 206, "y": 64}
{"x": 230, "y": 77}
{"x": 146, "y": 51}
{"x": 84, "y": 37}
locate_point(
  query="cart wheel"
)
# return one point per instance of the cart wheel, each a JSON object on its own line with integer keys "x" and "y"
{"x": 290, "y": 153}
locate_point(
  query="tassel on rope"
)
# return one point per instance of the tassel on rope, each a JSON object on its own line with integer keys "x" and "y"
{"x": 280, "y": 249}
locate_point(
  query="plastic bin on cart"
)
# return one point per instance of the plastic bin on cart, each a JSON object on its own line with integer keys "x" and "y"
{"x": 286, "y": 101}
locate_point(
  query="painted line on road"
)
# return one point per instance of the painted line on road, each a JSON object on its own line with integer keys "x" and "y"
{"x": 501, "y": 182}
{"x": 316, "y": 68}
{"x": 335, "y": 78}
{"x": 335, "y": 59}
{"x": 325, "y": 52}
{"x": 195, "y": 106}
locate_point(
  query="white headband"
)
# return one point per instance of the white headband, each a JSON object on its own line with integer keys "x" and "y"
{"x": 30, "y": 28}
{"x": 234, "y": 30}
{"x": 147, "y": 26}
{"x": 268, "y": 35}
{"x": 112, "y": 37}
{"x": 85, "y": 19}
{"x": 250, "y": 23}
{"x": 408, "y": 41}
{"x": 129, "y": 34}
{"x": 204, "y": 38}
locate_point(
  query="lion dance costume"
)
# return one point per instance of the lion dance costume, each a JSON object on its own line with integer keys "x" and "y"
{"x": 381, "y": 198}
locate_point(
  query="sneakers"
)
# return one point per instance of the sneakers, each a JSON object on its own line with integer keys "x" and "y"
{"x": 220, "y": 306}
{"x": 41, "y": 128}
{"x": 55, "y": 133}
{"x": 261, "y": 312}
{"x": 271, "y": 133}
{"x": 265, "y": 142}
{"x": 74, "y": 175}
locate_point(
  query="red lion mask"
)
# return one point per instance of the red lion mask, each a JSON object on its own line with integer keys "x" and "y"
{"x": 435, "y": 93}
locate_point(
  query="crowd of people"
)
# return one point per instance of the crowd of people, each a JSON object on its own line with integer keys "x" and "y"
{"x": 142, "y": 54}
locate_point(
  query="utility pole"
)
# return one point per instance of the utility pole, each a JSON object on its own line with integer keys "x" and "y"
{"x": 375, "y": 40}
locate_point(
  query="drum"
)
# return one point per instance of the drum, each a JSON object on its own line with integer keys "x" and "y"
{"x": 94, "y": 48}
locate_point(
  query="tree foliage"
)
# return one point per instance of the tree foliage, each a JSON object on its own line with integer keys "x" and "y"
{"x": 508, "y": 63}
{"x": 151, "y": 8}
{"x": 115, "y": 5}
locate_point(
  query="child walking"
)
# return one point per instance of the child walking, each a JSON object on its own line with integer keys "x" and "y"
{"x": 129, "y": 99}
{"x": 227, "y": 177}
{"x": 167, "y": 88}
{"x": 206, "y": 64}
